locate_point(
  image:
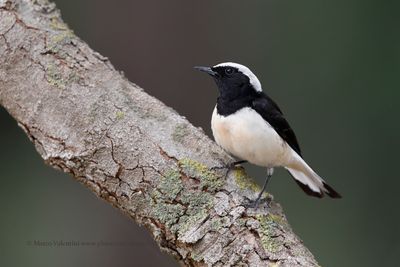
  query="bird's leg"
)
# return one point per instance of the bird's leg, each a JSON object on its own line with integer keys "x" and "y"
{"x": 234, "y": 164}
{"x": 229, "y": 166}
{"x": 270, "y": 171}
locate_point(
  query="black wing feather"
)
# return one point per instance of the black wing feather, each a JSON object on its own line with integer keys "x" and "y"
{"x": 270, "y": 112}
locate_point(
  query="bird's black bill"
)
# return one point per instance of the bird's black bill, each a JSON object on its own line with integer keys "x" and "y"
{"x": 207, "y": 70}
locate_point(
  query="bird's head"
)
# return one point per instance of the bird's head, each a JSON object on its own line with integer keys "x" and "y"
{"x": 233, "y": 80}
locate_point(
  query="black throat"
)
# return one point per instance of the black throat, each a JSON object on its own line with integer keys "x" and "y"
{"x": 235, "y": 90}
{"x": 227, "y": 106}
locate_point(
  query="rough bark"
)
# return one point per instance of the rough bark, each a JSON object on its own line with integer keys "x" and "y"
{"x": 86, "y": 119}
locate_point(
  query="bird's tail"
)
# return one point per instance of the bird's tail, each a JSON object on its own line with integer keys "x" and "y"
{"x": 308, "y": 180}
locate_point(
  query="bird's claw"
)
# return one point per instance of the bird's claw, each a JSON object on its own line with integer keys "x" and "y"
{"x": 229, "y": 166}
{"x": 254, "y": 204}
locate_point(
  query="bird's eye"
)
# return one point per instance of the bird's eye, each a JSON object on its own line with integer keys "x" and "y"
{"x": 229, "y": 71}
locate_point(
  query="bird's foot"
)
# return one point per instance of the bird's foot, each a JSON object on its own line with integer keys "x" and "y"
{"x": 230, "y": 166}
{"x": 255, "y": 203}
{"x": 235, "y": 164}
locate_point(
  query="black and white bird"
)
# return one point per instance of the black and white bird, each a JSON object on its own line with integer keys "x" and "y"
{"x": 249, "y": 125}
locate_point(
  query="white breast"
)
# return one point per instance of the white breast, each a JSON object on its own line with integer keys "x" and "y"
{"x": 246, "y": 135}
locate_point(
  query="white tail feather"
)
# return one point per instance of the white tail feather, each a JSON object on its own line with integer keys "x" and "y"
{"x": 308, "y": 180}
{"x": 303, "y": 173}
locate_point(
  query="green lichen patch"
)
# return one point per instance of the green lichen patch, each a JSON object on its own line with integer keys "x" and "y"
{"x": 180, "y": 132}
{"x": 120, "y": 115}
{"x": 279, "y": 220}
{"x": 244, "y": 181}
{"x": 56, "y": 42}
{"x": 187, "y": 222}
{"x": 268, "y": 232}
{"x": 208, "y": 179}
{"x": 167, "y": 190}
{"x": 60, "y": 35}
{"x": 167, "y": 214}
{"x": 196, "y": 201}
{"x": 217, "y": 223}
{"x": 198, "y": 207}
{"x": 57, "y": 24}
{"x": 56, "y": 77}
{"x": 170, "y": 185}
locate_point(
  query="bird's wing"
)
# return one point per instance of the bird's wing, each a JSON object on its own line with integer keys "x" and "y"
{"x": 270, "y": 112}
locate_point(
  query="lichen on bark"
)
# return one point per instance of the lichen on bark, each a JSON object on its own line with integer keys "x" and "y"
{"x": 86, "y": 119}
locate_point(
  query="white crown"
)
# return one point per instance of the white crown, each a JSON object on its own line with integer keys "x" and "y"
{"x": 246, "y": 71}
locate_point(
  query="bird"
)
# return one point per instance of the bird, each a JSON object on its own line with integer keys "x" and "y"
{"x": 250, "y": 126}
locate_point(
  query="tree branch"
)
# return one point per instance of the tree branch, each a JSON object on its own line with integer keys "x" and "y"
{"x": 86, "y": 119}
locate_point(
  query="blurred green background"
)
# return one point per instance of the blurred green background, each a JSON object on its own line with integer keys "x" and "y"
{"x": 333, "y": 67}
